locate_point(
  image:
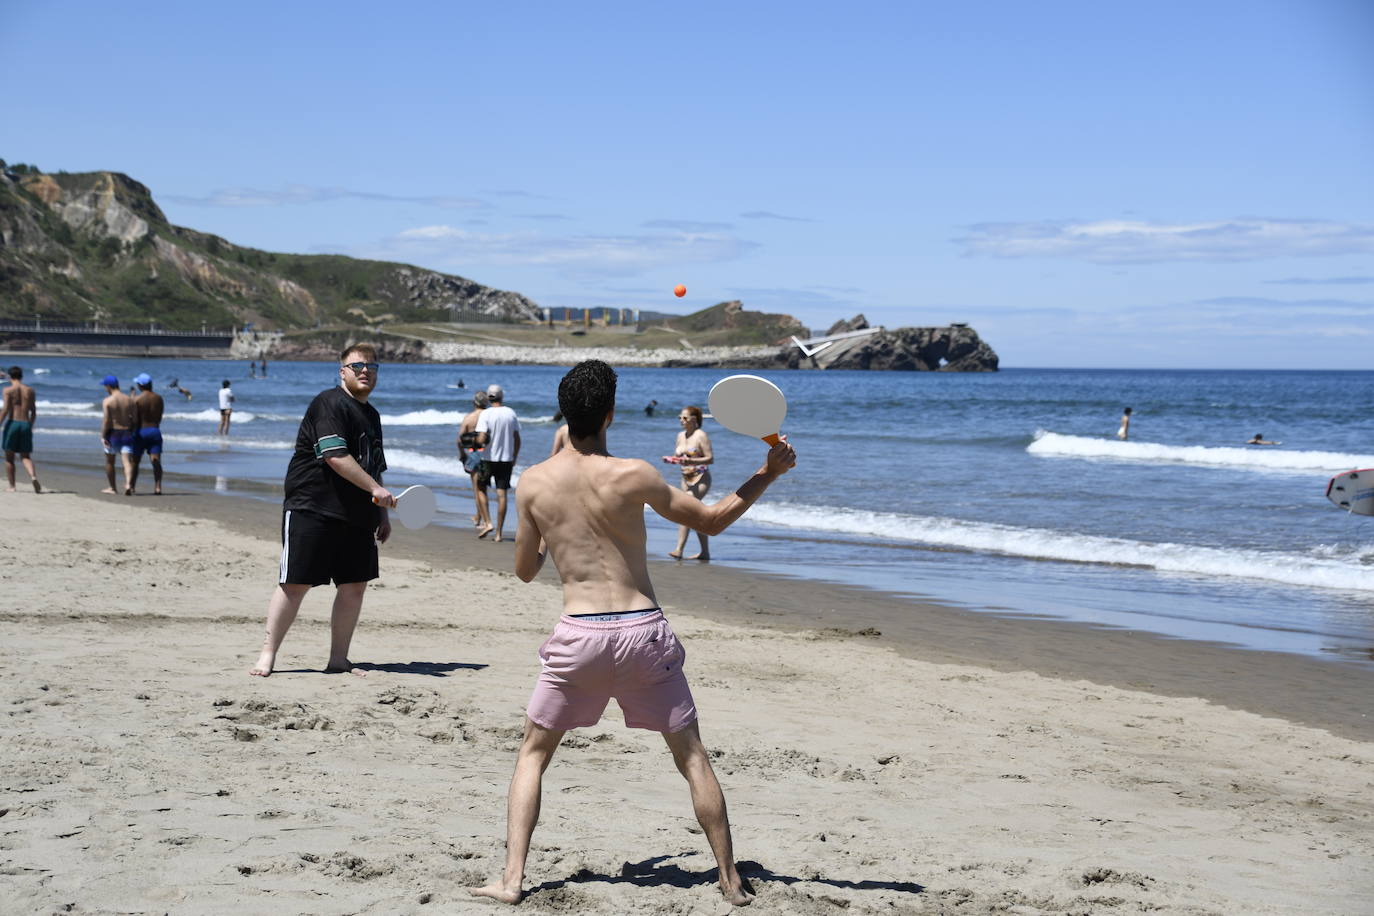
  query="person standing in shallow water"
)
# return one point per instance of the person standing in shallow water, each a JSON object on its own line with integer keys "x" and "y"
{"x": 1124, "y": 432}
{"x": 335, "y": 511}
{"x": 585, "y": 508}
{"x": 692, "y": 454}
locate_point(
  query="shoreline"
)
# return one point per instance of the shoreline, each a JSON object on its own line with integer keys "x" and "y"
{"x": 1319, "y": 692}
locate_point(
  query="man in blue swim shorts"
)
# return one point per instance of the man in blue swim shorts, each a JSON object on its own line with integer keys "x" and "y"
{"x": 117, "y": 434}
{"x": 16, "y": 419}
{"x": 147, "y": 433}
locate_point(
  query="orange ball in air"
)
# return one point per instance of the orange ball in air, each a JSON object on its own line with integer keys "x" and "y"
{"x": 679, "y": 290}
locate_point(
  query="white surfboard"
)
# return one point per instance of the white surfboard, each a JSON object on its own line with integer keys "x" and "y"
{"x": 1353, "y": 491}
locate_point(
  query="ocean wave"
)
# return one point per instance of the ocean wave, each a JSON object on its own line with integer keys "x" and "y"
{"x": 67, "y": 408}
{"x": 399, "y": 459}
{"x": 1060, "y": 445}
{"x": 1324, "y": 567}
{"x": 180, "y": 439}
{"x": 211, "y": 415}
{"x": 425, "y": 418}
{"x": 432, "y": 417}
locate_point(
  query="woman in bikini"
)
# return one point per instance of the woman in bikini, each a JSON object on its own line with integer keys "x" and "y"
{"x": 693, "y": 455}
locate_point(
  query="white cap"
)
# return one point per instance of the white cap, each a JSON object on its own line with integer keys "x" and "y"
{"x": 495, "y": 393}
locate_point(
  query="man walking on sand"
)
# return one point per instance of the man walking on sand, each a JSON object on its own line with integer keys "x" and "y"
{"x": 18, "y": 411}
{"x": 498, "y": 432}
{"x": 117, "y": 434}
{"x": 586, "y": 508}
{"x": 334, "y": 515}
{"x": 147, "y": 430}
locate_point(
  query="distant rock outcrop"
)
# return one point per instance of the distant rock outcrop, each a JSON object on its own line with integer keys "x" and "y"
{"x": 956, "y": 348}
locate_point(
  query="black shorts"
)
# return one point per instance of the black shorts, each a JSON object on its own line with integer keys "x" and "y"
{"x": 315, "y": 549}
{"x": 500, "y": 473}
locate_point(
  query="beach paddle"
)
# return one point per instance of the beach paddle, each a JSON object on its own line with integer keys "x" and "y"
{"x": 1353, "y": 491}
{"x": 415, "y": 506}
{"x": 749, "y": 405}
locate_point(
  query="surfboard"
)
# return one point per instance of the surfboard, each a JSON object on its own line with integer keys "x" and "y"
{"x": 1353, "y": 491}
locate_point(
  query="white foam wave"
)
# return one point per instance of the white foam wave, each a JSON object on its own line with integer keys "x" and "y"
{"x": 1060, "y": 445}
{"x": 181, "y": 439}
{"x": 211, "y": 415}
{"x": 424, "y": 418}
{"x": 1325, "y": 567}
{"x": 403, "y": 459}
{"x": 41, "y": 371}
{"x": 67, "y": 408}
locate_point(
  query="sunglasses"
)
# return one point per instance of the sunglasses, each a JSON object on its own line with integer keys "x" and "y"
{"x": 359, "y": 367}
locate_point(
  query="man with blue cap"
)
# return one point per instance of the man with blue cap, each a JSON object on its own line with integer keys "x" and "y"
{"x": 147, "y": 432}
{"x": 117, "y": 433}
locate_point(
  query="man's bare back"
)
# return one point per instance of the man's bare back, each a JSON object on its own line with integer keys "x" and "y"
{"x": 119, "y": 411}
{"x": 148, "y": 406}
{"x": 588, "y": 507}
{"x": 19, "y": 403}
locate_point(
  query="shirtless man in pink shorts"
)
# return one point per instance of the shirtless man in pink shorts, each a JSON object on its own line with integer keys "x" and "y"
{"x": 587, "y": 509}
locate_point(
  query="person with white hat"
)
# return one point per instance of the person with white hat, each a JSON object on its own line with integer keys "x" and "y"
{"x": 498, "y": 432}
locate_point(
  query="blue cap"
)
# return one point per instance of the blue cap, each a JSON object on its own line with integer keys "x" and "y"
{"x": 111, "y": 381}
{"x": 143, "y": 378}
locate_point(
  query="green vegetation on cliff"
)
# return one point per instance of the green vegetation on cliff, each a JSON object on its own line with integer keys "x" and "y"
{"x": 96, "y": 247}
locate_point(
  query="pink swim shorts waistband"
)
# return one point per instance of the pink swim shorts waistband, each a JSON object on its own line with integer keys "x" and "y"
{"x": 631, "y": 619}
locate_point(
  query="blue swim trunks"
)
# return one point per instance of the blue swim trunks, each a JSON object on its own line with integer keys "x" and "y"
{"x": 121, "y": 440}
{"x": 148, "y": 439}
{"x": 18, "y": 437}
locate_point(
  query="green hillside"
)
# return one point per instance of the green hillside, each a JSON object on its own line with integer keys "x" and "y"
{"x": 95, "y": 246}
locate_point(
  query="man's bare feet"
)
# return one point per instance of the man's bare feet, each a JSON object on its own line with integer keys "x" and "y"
{"x": 485, "y": 531}
{"x": 264, "y": 666}
{"x": 741, "y": 894}
{"x": 109, "y": 490}
{"x": 675, "y": 555}
{"x": 497, "y": 539}
{"x": 157, "y": 491}
{"x": 499, "y": 892}
{"x": 128, "y": 491}
{"x": 9, "y": 489}
{"x": 704, "y": 557}
{"x": 343, "y": 667}
{"x": 37, "y": 487}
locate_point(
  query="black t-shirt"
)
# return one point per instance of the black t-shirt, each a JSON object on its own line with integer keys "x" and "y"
{"x": 336, "y": 425}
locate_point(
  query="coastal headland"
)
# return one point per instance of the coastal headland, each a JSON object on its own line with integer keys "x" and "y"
{"x": 94, "y": 253}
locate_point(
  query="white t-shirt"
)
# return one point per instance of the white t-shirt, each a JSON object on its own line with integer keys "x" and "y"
{"x": 500, "y": 425}
{"x": 226, "y": 399}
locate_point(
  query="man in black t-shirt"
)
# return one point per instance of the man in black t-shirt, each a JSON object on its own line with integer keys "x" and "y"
{"x": 334, "y": 515}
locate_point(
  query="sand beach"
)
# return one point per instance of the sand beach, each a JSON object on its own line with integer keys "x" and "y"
{"x": 879, "y": 755}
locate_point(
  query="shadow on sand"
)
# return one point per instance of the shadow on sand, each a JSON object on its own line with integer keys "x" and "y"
{"x": 658, "y": 871}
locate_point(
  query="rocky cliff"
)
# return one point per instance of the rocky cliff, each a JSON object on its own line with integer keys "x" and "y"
{"x": 96, "y": 247}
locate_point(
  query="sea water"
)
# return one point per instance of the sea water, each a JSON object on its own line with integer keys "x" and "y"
{"x": 1005, "y": 492}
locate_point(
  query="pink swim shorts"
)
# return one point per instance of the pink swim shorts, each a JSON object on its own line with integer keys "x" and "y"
{"x": 637, "y": 661}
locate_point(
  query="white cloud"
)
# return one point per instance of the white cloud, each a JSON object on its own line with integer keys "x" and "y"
{"x": 1134, "y": 242}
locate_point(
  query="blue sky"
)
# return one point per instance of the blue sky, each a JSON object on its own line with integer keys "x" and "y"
{"x": 1100, "y": 184}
